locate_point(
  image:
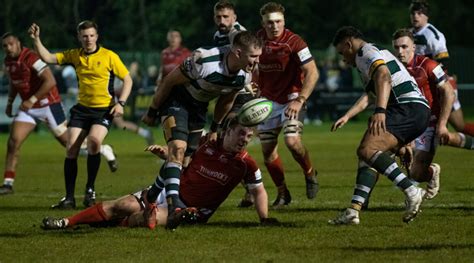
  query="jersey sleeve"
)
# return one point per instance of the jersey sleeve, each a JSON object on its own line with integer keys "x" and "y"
{"x": 253, "y": 176}
{"x": 66, "y": 57}
{"x": 439, "y": 48}
{"x": 35, "y": 63}
{"x": 301, "y": 51}
{"x": 436, "y": 74}
{"x": 191, "y": 66}
{"x": 118, "y": 68}
{"x": 368, "y": 60}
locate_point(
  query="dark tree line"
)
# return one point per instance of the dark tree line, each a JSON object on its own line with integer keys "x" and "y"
{"x": 141, "y": 25}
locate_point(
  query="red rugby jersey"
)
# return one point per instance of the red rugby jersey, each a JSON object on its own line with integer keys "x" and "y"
{"x": 170, "y": 59}
{"x": 428, "y": 74}
{"x": 24, "y": 77}
{"x": 279, "y": 68}
{"x": 213, "y": 174}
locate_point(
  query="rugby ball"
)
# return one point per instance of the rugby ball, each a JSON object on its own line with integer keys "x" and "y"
{"x": 254, "y": 112}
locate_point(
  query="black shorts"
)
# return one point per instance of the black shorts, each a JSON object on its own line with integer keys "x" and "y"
{"x": 182, "y": 116}
{"x": 84, "y": 117}
{"x": 407, "y": 121}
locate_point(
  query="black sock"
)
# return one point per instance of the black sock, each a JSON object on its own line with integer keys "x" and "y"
{"x": 70, "y": 175}
{"x": 93, "y": 164}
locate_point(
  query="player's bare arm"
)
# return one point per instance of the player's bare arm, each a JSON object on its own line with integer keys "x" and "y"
{"x": 360, "y": 105}
{"x": 311, "y": 76}
{"x": 44, "y": 54}
{"x": 446, "y": 102}
{"x": 176, "y": 77}
{"x": 48, "y": 83}
{"x": 117, "y": 110}
{"x": 382, "y": 81}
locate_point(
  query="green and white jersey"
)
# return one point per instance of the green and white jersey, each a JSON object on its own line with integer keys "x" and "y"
{"x": 430, "y": 42}
{"x": 222, "y": 39}
{"x": 404, "y": 87}
{"x": 210, "y": 77}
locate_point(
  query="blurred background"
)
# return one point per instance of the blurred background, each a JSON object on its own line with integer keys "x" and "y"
{"x": 137, "y": 30}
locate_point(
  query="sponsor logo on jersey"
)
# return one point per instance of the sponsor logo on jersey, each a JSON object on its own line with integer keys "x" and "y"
{"x": 219, "y": 177}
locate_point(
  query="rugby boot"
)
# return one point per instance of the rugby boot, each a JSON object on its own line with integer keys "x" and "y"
{"x": 50, "y": 223}
{"x": 6, "y": 189}
{"x": 65, "y": 204}
{"x": 89, "y": 198}
{"x": 350, "y": 216}
{"x": 283, "y": 199}
{"x": 413, "y": 203}
{"x": 432, "y": 188}
{"x": 179, "y": 215}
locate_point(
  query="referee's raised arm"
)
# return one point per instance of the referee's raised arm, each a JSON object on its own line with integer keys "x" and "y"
{"x": 42, "y": 51}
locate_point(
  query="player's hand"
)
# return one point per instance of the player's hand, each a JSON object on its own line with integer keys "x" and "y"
{"x": 148, "y": 120}
{"x": 117, "y": 110}
{"x": 377, "y": 124}
{"x": 158, "y": 150}
{"x": 212, "y": 136}
{"x": 269, "y": 221}
{"x": 405, "y": 153}
{"x": 34, "y": 31}
{"x": 26, "y": 105}
{"x": 442, "y": 133}
{"x": 339, "y": 123}
{"x": 8, "y": 110}
{"x": 293, "y": 109}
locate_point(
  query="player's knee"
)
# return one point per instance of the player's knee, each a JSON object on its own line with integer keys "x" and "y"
{"x": 13, "y": 144}
{"x": 93, "y": 145}
{"x": 292, "y": 128}
{"x": 293, "y": 143}
{"x": 364, "y": 152}
{"x": 176, "y": 151}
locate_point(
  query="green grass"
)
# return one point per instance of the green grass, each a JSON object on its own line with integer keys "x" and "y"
{"x": 444, "y": 232}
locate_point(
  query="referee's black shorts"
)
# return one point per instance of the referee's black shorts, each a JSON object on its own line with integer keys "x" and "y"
{"x": 84, "y": 117}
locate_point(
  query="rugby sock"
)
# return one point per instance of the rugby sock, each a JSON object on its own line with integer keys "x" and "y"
{"x": 169, "y": 178}
{"x": 467, "y": 141}
{"x": 92, "y": 214}
{"x": 93, "y": 164}
{"x": 155, "y": 188}
{"x": 366, "y": 179}
{"x": 305, "y": 163}
{"x": 70, "y": 175}
{"x": 275, "y": 169}
{"x": 384, "y": 164}
{"x": 469, "y": 129}
{"x": 9, "y": 178}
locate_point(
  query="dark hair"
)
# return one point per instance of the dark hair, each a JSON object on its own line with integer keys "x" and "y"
{"x": 223, "y": 4}
{"x": 246, "y": 39}
{"x": 346, "y": 32}
{"x": 87, "y": 24}
{"x": 419, "y": 5}
{"x": 403, "y": 32}
{"x": 271, "y": 7}
{"x": 9, "y": 34}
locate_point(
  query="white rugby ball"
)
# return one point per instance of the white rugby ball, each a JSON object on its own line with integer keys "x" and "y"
{"x": 254, "y": 112}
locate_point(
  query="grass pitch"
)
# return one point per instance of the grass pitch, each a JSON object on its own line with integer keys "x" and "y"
{"x": 443, "y": 232}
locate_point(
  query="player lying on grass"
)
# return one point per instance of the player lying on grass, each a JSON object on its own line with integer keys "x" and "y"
{"x": 215, "y": 170}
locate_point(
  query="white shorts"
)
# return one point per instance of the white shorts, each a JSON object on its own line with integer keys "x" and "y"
{"x": 427, "y": 142}
{"x": 52, "y": 115}
{"x": 277, "y": 118}
{"x": 160, "y": 200}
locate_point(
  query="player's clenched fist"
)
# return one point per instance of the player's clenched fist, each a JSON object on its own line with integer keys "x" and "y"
{"x": 34, "y": 31}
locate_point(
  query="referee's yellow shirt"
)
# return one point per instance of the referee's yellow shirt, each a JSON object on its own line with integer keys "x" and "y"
{"x": 95, "y": 73}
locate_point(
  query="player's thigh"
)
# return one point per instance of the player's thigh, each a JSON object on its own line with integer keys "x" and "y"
{"x": 372, "y": 143}
{"x": 20, "y": 131}
{"x": 97, "y": 134}
{"x": 53, "y": 115}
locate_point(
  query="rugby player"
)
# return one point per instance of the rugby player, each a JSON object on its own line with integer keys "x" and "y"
{"x": 431, "y": 42}
{"x": 287, "y": 76}
{"x": 33, "y": 81}
{"x": 401, "y": 114}
{"x": 172, "y": 56}
{"x": 181, "y": 103}
{"x": 92, "y": 116}
{"x": 436, "y": 88}
{"x": 215, "y": 170}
